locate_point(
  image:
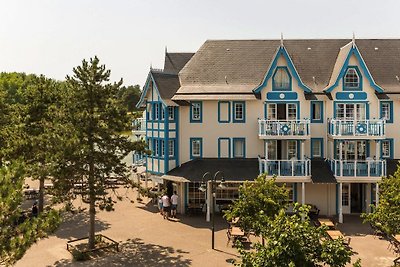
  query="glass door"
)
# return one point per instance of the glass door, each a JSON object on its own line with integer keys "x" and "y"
{"x": 346, "y": 198}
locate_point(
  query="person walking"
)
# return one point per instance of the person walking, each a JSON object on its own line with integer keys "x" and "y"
{"x": 174, "y": 204}
{"x": 165, "y": 205}
{"x": 160, "y": 205}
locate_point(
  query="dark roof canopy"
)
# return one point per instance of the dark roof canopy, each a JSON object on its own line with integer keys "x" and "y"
{"x": 167, "y": 84}
{"x": 233, "y": 169}
{"x": 321, "y": 172}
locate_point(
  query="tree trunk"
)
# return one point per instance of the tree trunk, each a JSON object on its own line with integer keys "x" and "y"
{"x": 41, "y": 194}
{"x": 92, "y": 208}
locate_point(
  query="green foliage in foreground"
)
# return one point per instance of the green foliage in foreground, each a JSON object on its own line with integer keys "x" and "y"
{"x": 387, "y": 215}
{"x": 289, "y": 240}
{"x": 18, "y": 233}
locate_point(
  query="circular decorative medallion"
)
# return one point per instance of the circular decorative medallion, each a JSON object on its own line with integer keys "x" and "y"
{"x": 361, "y": 128}
{"x": 285, "y": 129}
{"x": 351, "y": 96}
{"x": 282, "y": 96}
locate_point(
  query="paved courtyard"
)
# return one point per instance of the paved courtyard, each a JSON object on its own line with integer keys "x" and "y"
{"x": 149, "y": 240}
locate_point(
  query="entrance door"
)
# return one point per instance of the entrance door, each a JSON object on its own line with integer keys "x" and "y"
{"x": 281, "y": 112}
{"x": 356, "y": 198}
{"x": 346, "y": 198}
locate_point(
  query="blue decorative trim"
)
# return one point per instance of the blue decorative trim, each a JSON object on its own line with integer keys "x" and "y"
{"x": 234, "y": 120}
{"x": 321, "y": 104}
{"x": 219, "y": 146}
{"x": 219, "y": 112}
{"x": 200, "y": 120}
{"x": 391, "y": 147}
{"x": 354, "y": 51}
{"x": 166, "y": 138}
{"x": 360, "y": 85}
{"x": 390, "y": 120}
{"x": 244, "y": 146}
{"x": 274, "y": 85}
{"x": 191, "y": 147}
{"x": 317, "y": 139}
{"x": 282, "y": 96}
{"x": 281, "y": 51}
{"x": 149, "y": 79}
{"x": 351, "y": 96}
{"x": 176, "y": 118}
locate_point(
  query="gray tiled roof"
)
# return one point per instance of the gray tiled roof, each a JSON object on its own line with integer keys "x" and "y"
{"x": 174, "y": 62}
{"x": 245, "y": 62}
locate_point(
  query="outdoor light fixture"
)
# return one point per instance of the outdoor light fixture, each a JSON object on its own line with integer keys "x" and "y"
{"x": 207, "y": 177}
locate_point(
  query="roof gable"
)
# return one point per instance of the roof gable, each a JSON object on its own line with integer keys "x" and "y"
{"x": 354, "y": 51}
{"x": 281, "y": 52}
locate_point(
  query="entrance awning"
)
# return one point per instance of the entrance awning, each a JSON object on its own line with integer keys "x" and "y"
{"x": 156, "y": 179}
{"x": 173, "y": 178}
{"x": 321, "y": 172}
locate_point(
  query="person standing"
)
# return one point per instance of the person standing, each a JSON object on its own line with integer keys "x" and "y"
{"x": 165, "y": 205}
{"x": 174, "y": 204}
{"x": 160, "y": 205}
{"x": 35, "y": 210}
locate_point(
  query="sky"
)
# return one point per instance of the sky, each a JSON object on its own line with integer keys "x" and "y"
{"x": 51, "y": 37}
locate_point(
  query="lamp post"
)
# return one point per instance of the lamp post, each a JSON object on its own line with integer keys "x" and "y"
{"x": 207, "y": 177}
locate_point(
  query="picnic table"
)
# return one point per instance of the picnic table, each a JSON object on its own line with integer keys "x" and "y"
{"x": 234, "y": 233}
{"x": 335, "y": 234}
{"x": 397, "y": 237}
{"x": 31, "y": 193}
{"x": 326, "y": 222}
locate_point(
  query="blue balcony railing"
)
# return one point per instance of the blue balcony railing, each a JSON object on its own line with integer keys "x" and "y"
{"x": 358, "y": 168}
{"x": 139, "y": 125}
{"x": 361, "y": 128}
{"x": 284, "y": 128}
{"x": 279, "y": 168}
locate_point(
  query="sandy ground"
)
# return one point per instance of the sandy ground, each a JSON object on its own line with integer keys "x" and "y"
{"x": 146, "y": 239}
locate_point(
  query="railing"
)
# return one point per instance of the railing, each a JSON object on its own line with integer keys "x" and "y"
{"x": 360, "y": 168}
{"x": 375, "y": 127}
{"x": 285, "y": 167}
{"x": 139, "y": 124}
{"x": 138, "y": 159}
{"x": 283, "y": 128}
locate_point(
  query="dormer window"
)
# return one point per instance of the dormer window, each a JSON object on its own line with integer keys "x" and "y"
{"x": 281, "y": 79}
{"x": 352, "y": 79}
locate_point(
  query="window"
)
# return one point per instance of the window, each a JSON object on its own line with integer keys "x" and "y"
{"x": 281, "y": 79}
{"x": 292, "y": 149}
{"x": 150, "y": 145}
{"x": 239, "y": 112}
{"x": 291, "y": 111}
{"x": 224, "y": 112}
{"x": 350, "y": 111}
{"x": 351, "y": 80}
{"x": 196, "y": 112}
{"x": 171, "y": 148}
{"x": 156, "y": 111}
{"x": 317, "y": 111}
{"x": 156, "y": 148}
{"x": 317, "y": 148}
{"x": 162, "y": 113}
{"x": 387, "y": 148}
{"x": 271, "y": 111}
{"x": 387, "y": 111}
{"x": 171, "y": 114}
{"x": 239, "y": 148}
{"x": 162, "y": 148}
{"x": 196, "y": 147}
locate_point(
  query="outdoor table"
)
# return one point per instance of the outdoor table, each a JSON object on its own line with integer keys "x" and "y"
{"x": 326, "y": 222}
{"x": 31, "y": 193}
{"x": 397, "y": 237}
{"x": 237, "y": 232}
{"x": 335, "y": 234}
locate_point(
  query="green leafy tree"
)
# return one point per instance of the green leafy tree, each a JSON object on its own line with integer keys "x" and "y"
{"x": 387, "y": 214}
{"x": 39, "y": 103}
{"x": 293, "y": 241}
{"x": 258, "y": 202}
{"x": 129, "y": 95}
{"x": 93, "y": 117}
{"x": 19, "y": 231}
{"x": 140, "y": 146}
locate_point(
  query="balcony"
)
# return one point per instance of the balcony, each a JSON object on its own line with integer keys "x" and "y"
{"x": 286, "y": 168}
{"x": 358, "y": 170}
{"x": 285, "y": 129}
{"x": 139, "y": 126}
{"x": 355, "y": 129}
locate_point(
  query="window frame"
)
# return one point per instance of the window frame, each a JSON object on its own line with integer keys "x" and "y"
{"x": 391, "y": 148}
{"x": 171, "y": 148}
{"x": 321, "y": 148}
{"x": 390, "y": 103}
{"x": 359, "y": 76}
{"x": 219, "y": 112}
{"x": 200, "y": 119}
{"x": 274, "y": 84}
{"x": 193, "y": 139}
{"x": 234, "y": 140}
{"x": 171, "y": 111}
{"x": 235, "y": 119}
{"x": 312, "y": 110}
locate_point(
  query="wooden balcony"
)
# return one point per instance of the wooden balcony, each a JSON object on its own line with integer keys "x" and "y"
{"x": 283, "y": 129}
{"x": 358, "y": 170}
{"x": 356, "y": 129}
{"x": 285, "y": 168}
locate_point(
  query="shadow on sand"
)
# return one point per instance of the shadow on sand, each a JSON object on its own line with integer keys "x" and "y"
{"x": 134, "y": 252}
{"x": 353, "y": 226}
{"x": 77, "y": 225}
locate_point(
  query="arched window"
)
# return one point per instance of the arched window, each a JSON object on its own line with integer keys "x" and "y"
{"x": 351, "y": 79}
{"x": 281, "y": 79}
